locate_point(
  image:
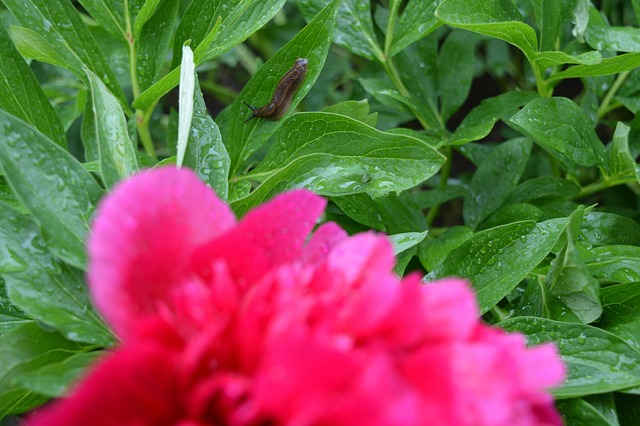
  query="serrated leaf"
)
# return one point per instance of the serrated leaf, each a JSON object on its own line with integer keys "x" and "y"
{"x": 560, "y": 127}
{"x": 21, "y": 94}
{"x": 116, "y": 152}
{"x": 493, "y": 260}
{"x": 496, "y": 176}
{"x": 43, "y": 287}
{"x": 416, "y": 21}
{"x": 495, "y": 18}
{"x": 312, "y": 43}
{"x": 206, "y": 154}
{"x": 61, "y": 26}
{"x": 479, "y": 122}
{"x": 597, "y": 361}
{"x": 52, "y": 184}
{"x": 354, "y": 28}
{"x": 334, "y": 155}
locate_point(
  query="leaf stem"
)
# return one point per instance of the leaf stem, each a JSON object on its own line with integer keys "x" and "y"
{"x": 142, "y": 123}
{"x": 393, "y": 15}
{"x": 604, "y": 106}
{"x": 605, "y": 184}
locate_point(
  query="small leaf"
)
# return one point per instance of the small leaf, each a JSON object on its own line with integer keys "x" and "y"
{"x": 479, "y": 122}
{"x": 416, "y": 21}
{"x": 434, "y": 251}
{"x": 358, "y": 110}
{"x": 543, "y": 189}
{"x": 561, "y": 128}
{"x": 116, "y": 152}
{"x": 493, "y": 260}
{"x": 615, "y": 65}
{"x": 597, "y": 361}
{"x": 621, "y": 311}
{"x": 620, "y": 162}
{"x": 405, "y": 241}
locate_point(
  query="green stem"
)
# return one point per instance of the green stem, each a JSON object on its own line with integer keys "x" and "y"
{"x": 604, "y": 184}
{"x": 142, "y": 123}
{"x": 604, "y": 106}
{"x": 444, "y": 178}
{"x": 541, "y": 85}
{"x": 393, "y": 15}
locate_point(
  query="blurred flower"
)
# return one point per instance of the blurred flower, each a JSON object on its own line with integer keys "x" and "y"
{"x": 255, "y": 323}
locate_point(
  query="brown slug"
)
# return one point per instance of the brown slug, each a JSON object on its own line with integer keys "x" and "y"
{"x": 285, "y": 90}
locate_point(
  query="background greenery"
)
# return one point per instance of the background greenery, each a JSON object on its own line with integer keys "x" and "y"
{"x": 492, "y": 140}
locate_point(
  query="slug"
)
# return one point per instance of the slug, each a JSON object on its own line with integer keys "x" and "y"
{"x": 285, "y": 90}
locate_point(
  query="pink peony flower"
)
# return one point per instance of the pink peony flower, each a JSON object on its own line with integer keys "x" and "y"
{"x": 256, "y": 323}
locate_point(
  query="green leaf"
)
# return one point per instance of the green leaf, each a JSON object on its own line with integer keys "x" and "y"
{"x": 545, "y": 60}
{"x": 434, "y": 251}
{"x": 597, "y": 361}
{"x": 354, "y": 28}
{"x": 62, "y": 27}
{"x": 579, "y": 412}
{"x": 560, "y": 127}
{"x": 43, "y": 287}
{"x": 10, "y": 316}
{"x": 146, "y": 12}
{"x": 543, "y": 189}
{"x": 112, "y": 15}
{"x": 616, "y": 263}
{"x": 154, "y": 41}
{"x": 391, "y": 214}
{"x": 496, "y": 18}
{"x": 21, "y": 94}
{"x": 496, "y": 176}
{"x": 57, "y": 190}
{"x": 456, "y": 63}
{"x": 55, "y": 378}
{"x": 570, "y": 280}
{"x": 416, "y": 21}
{"x": 493, "y": 260}
{"x": 116, "y": 153}
{"x": 22, "y": 350}
{"x": 358, "y": 110}
{"x": 206, "y": 154}
{"x": 32, "y": 45}
{"x": 434, "y": 197}
{"x": 601, "y": 36}
{"x": 620, "y": 162}
{"x": 601, "y": 228}
{"x": 318, "y": 151}
{"x": 198, "y": 19}
{"x": 621, "y": 311}
{"x": 312, "y": 43}
{"x": 405, "y": 241}
{"x": 615, "y": 65}
{"x": 512, "y": 213}
{"x": 479, "y": 122}
{"x": 552, "y": 17}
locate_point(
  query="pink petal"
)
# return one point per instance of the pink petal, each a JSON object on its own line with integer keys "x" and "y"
{"x": 323, "y": 240}
{"x": 361, "y": 256}
{"x": 272, "y": 234}
{"x": 144, "y": 234}
{"x": 450, "y": 310}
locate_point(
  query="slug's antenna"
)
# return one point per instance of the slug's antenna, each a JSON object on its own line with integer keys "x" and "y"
{"x": 252, "y": 108}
